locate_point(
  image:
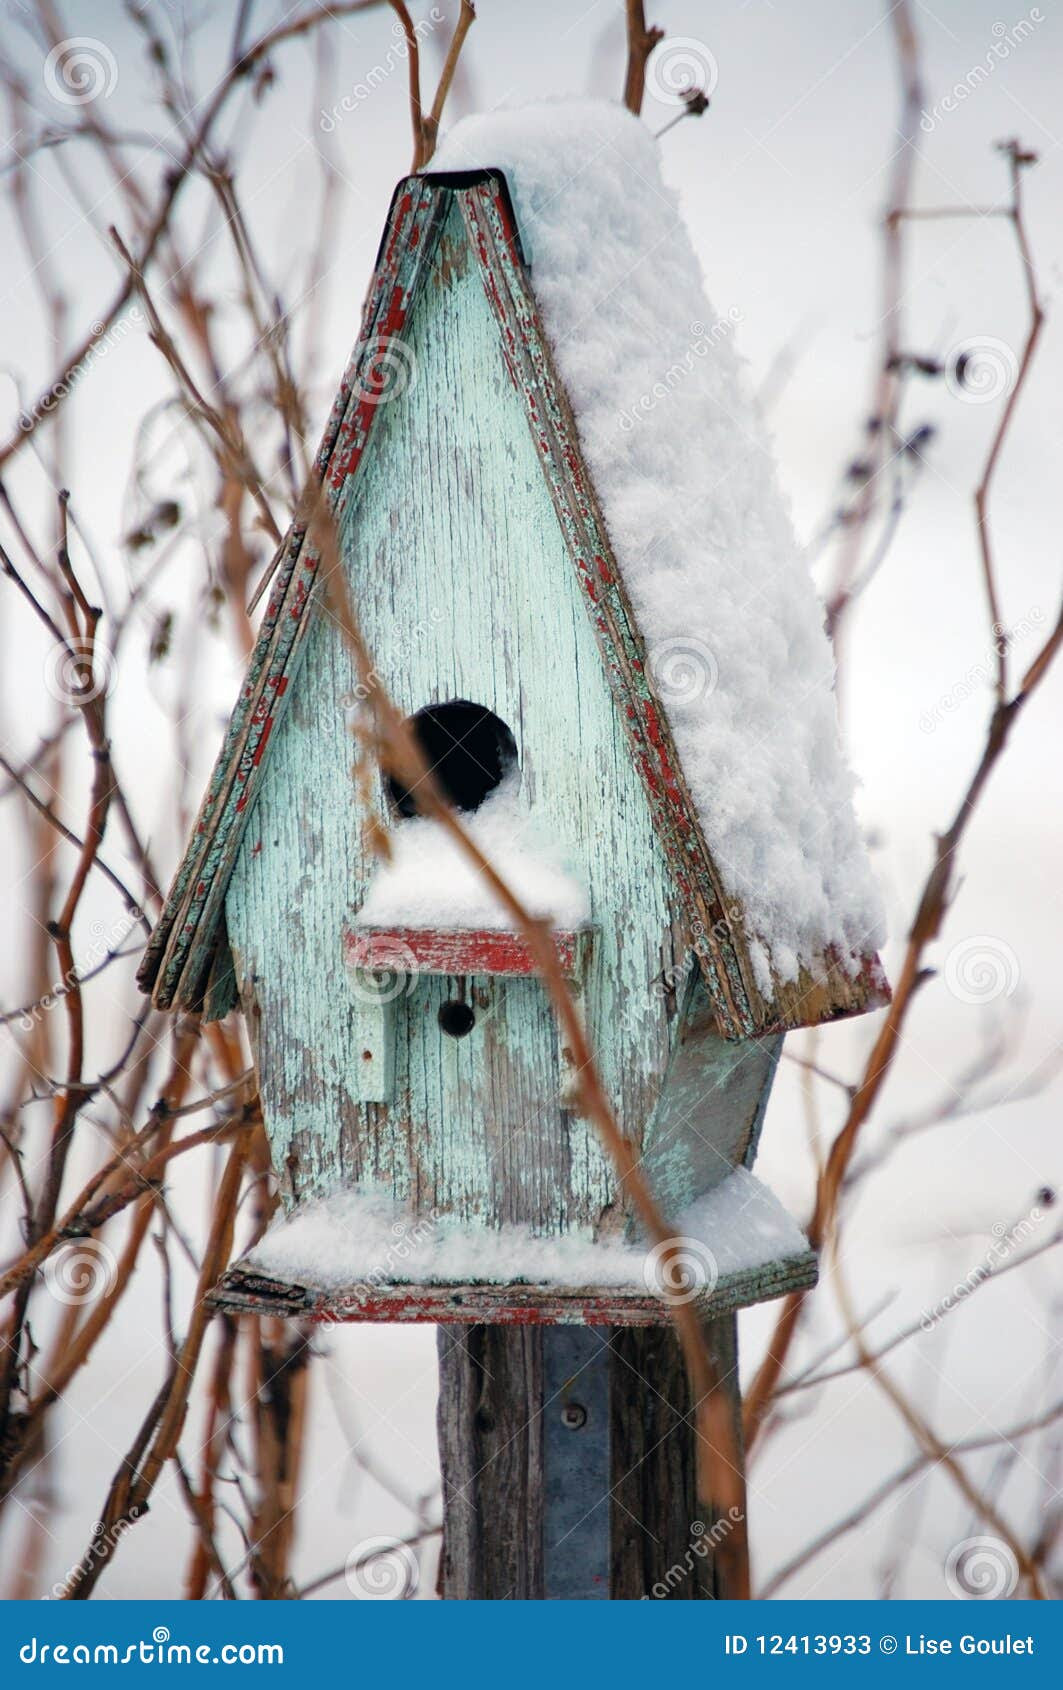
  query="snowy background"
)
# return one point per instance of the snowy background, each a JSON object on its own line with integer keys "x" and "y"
{"x": 781, "y": 184}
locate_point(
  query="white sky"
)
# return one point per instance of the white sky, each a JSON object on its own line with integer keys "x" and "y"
{"x": 781, "y": 183}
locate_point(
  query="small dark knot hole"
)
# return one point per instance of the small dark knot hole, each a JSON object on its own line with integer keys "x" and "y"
{"x": 456, "y": 1019}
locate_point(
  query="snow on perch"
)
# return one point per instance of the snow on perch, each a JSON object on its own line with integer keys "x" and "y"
{"x": 429, "y": 882}
{"x": 352, "y": 1248}
{"x": 733, "y": 628}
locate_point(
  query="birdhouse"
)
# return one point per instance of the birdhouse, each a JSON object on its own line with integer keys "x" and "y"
{"x": 567, "y": 552}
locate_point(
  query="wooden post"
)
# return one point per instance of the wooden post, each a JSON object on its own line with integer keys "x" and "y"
{"x": 568, "y": 1463}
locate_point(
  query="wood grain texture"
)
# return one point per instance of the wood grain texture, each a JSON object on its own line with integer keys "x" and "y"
{"x": 662, "y": 1540}
{"x": 491, "y": 1420}
{"x": 465, "y": 589}
{"x": 246, "y": 1289}
{"x": 474, "y": 951}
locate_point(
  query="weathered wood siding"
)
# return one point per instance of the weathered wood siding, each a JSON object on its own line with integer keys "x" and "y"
{"x": 460, "y": 576}
{"x": 464, "y": 588}
{"x": 496, "y": 1420}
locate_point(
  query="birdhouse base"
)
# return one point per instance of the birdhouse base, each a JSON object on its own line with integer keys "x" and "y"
{"x": 246, "y": 1290}
{"x": 358, "y": 1255}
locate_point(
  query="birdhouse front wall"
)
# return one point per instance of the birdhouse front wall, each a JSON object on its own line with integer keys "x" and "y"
{"x": 459, "y": 574}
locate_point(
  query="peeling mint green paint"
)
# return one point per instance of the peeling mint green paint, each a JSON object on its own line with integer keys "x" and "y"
{"x": 461, "y": 579}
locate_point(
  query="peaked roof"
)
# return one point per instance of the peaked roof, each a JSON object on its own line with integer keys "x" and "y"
{"x": 186, "y": 963}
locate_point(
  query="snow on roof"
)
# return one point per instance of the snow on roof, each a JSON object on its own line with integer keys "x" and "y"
{"x": 356, "y": 1237}
{"x": 701, "y": 531}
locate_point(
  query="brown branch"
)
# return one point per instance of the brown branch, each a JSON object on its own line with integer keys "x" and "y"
{"x": 466, "y": 19}
{"x": 1018, "y": 159}
{"x": 640, "y": 44}
{"x": 413, "y": 60}
{"x": 135, "y": 1480}
{"x": 927, "y": 1440}
{"x": 926, "y": 924}
{"x": 887, "y": 385}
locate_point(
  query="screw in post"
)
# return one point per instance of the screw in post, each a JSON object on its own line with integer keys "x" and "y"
{"x": 573, "y": 1415}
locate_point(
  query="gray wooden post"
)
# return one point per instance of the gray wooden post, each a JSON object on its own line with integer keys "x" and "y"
{"x": 568, "y": 1463}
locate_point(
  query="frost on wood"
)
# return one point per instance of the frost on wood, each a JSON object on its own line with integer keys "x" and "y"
{"x": 733, "y": 627}
{"x": 430, "y": 882}
{"x": 353, "y": 1237}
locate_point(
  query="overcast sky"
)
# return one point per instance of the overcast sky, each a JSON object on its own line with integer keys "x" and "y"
{"x": 782, "y": 183}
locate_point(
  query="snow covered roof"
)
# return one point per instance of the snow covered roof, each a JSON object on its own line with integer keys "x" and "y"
{"x": 706, "y": 615}
{"x": 698, "y": 524}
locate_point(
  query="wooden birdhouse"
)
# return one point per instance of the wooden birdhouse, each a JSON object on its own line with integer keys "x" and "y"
{"x": 566, "y": 550}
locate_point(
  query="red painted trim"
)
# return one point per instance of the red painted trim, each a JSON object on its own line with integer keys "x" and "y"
{"x": 429, "y": 950}
{"x": 436, "y": 1306}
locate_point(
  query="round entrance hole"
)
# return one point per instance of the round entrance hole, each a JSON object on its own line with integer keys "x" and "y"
{"x": 468, "y": 748}
{"x": 456, "y": 1018}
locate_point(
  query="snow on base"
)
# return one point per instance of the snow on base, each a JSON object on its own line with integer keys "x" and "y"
{"x": 363, "y": 1238}
{"x": 688, "y": 487}
{"x": 429, "y": 882}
